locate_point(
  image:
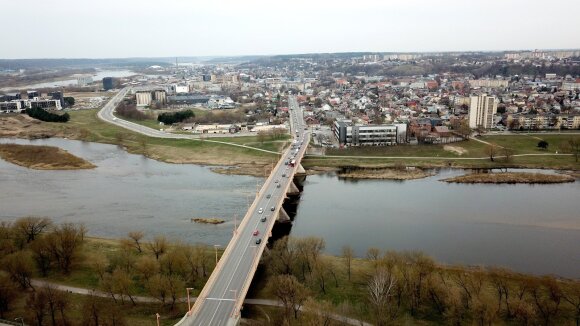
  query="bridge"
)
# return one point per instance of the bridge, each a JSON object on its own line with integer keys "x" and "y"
{"x": 220, "y": 301}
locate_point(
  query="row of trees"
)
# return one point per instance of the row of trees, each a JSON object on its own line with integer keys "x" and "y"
{"x": 35, "y": 247}
{"x": 43, "y": 115}
{"x": 170, "y": 118}
{"x": 388, "y": 287}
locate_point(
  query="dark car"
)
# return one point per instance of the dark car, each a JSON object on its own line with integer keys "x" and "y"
{"x": 263, "y": 219}
{"x": 258, "y": 241}
{"x": 273, "y": 208}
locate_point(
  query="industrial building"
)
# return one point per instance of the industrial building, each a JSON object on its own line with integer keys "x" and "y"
{"x": 145, "y": 96}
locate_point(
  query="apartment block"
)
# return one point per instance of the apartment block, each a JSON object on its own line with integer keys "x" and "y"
{"x": 481, "y": 111}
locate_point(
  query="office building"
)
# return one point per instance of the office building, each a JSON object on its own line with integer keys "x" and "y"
{"x": 481, "y": 111}
{"x": 108, "y": 83}
{"x": 368, "y": 135}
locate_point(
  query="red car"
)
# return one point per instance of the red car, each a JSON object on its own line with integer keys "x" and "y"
{"x": 256, "y": 232}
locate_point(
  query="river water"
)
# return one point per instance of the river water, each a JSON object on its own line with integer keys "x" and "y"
{"x": 97, "y": 77}
{"x": 126, "y": 192}
{"x": 534, "y": 229}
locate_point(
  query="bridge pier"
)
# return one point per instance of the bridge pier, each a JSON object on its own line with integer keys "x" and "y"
{"x": 283, "y": 216}
{"x": 293, "y": 190}
{"x": 300, "y": 170}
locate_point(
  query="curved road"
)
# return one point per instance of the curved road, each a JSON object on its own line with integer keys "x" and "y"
{"x": 106, "y": 114}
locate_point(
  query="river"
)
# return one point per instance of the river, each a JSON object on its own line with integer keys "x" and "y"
{"x": 126, "y": 192}
{"x": 533, "y": 229}
{"x": 99, "y": 75}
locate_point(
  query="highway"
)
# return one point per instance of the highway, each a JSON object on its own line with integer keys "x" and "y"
{"x": 221, "y": 299}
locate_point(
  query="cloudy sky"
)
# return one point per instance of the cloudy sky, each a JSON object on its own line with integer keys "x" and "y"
{"x": 148, "y": 28}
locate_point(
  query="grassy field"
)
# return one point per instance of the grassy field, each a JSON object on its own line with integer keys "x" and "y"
{"x": 453, "y": 155}
{"x": 85, "y": 125}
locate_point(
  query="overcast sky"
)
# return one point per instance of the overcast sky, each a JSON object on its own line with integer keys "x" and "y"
{"x": 168, "y": 28}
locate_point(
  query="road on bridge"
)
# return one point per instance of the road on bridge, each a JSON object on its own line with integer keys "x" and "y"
{"x": 221, "y": 299}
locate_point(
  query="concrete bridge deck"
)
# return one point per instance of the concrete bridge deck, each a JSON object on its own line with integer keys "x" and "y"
{"x": 220, "y": 301}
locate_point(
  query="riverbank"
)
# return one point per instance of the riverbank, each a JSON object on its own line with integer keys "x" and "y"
{"x": 511, "y": 178}
{"x": 84, "y": 125}
{"x": 338, "y": 285}
{"x": 384, "y": 174}
{"x": 42, "y": 157}
{"x": 207, "y": 220}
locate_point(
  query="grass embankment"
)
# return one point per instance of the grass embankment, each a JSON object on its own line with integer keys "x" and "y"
{"x": 42, "y": 157}
{"x": 466, "y": 154}
{"x": 384, "y": 174}
{"x": 511, "y": 177}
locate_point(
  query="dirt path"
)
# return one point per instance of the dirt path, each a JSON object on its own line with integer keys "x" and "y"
{"x": 142, "y": 299}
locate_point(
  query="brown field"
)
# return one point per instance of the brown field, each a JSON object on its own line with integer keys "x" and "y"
{"x": 42, "y": 157}
{"x": 515, "y": 177}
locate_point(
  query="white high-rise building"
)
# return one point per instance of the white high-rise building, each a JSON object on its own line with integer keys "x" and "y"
{"x": 482, "y": 110}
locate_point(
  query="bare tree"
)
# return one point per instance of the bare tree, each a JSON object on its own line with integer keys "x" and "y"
{"x": 572, "y": 296}
{"x": 380, "y": 288}
{"x": 158, "y": 246}
{"x": 20, "y": 267}
{"x": 30, "y": 227}
{"x": 348, "y": 254}
{"x": 491, "y": 151}
{"x": 574, "y": 144}
{"x": 8, "y": 294}
{"x": 291, "y": 293}
{"x": 136, "y": 236}
{"x": 65, "y": 242}
{"x": 123, "y": 284}
{"x": 146, "y": 266}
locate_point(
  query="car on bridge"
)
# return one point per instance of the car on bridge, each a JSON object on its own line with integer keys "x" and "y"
{"x": 278, "y": 186}
{"x": 263, "y": 219}
{"x": 268, "y": 196}
{"x": 259, "y": 240}
{"x": 256, "y": 232}
{"x": 260, "y": 211}
{"x": 273, "y": 208}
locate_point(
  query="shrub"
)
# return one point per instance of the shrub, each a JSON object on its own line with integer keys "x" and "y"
{"x": 44, "y": 115}
{"x": 171, "y": 118}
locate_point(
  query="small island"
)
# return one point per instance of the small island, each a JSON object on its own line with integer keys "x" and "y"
{"x": 207, "y": 220}
{"x": 42, "y": 157}
{"x": 385, "y": 174}
{"x": 511, "y": 178}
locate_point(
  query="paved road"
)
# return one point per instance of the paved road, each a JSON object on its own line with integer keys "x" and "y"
{"x": 106, "y": 114}
{"x": 223, "y": 294}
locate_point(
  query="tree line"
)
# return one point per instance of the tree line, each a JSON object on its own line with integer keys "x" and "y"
{"x": 390, "y": 287}
{"x": 43, "y": 115}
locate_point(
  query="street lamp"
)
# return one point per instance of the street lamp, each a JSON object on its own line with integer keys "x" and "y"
{"x": 188, "y": 302}
{"x": 216, "y": 257}
{"x": 157, "y": 315}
